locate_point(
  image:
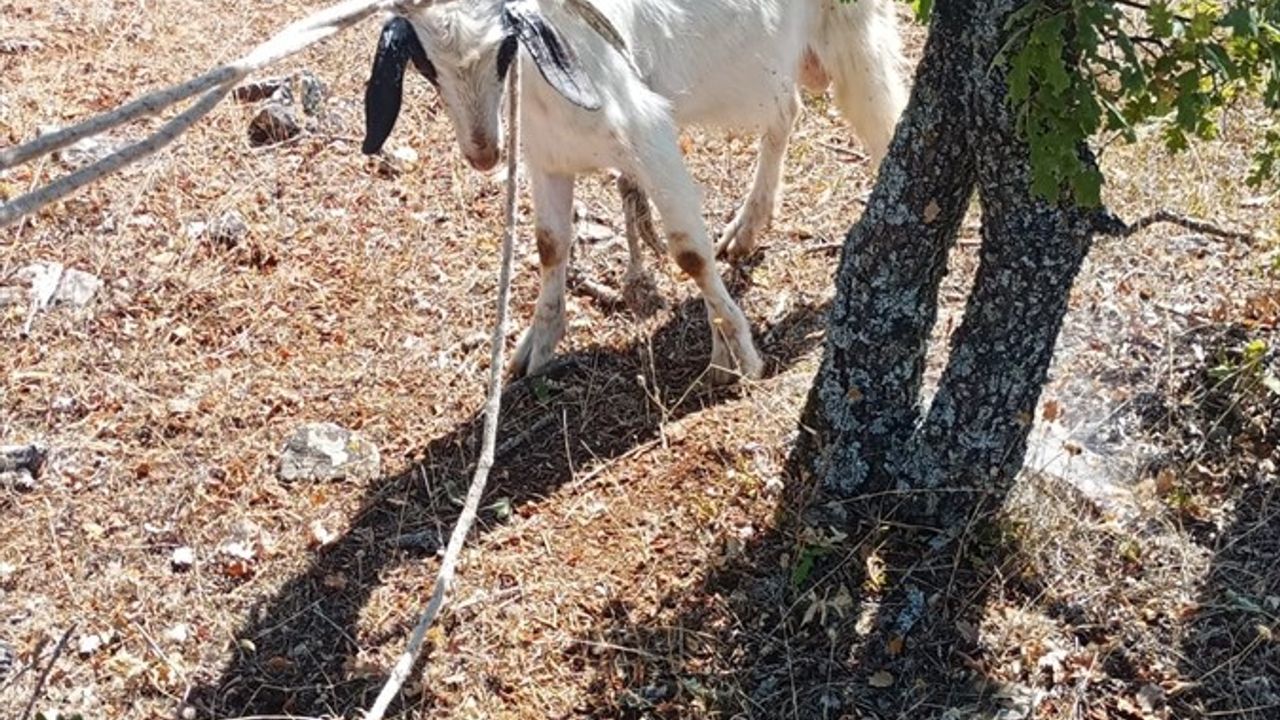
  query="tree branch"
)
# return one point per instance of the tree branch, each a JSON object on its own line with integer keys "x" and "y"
{"x": 44, "y": 676}
{"x": 1106, "y": 223}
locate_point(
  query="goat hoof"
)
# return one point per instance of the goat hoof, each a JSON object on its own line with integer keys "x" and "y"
{"x": 736, "y": 245}
{"x": 727, "y": 367}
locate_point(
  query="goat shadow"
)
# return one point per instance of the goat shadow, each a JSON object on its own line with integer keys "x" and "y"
{"x": 586, "y": 409}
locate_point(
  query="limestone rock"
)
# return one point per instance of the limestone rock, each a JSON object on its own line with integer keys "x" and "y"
{"x": 325, "y": 451}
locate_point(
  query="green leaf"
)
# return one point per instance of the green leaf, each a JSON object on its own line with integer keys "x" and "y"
{"x": 803, "y": 567}
{"x": 1088, "y": 187}
{"x": 1161, "y": 19}
{"x": 923, "y": 10}
{"x": 1242, "y": 21}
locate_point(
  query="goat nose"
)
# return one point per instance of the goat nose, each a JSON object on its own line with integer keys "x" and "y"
{"x": 483, "y": 158}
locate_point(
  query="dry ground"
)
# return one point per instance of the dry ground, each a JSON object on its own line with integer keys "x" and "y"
{"x": 641, "y": 555}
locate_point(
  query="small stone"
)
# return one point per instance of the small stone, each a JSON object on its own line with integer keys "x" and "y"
{"x": 313, "y": 93}
{"x": 594, "y": 232}
{"x": 20, "y": 466}
{"x": 182, "y": 558}
{"x": 88, "y": 151}
{"x": 30, "y": 457}
{"x": 54, "y": 284}
{"x": 325, "y": 451}
{"x": 178, "y": 633}
{"x": 274, "y": 123}
{"x": 17, "y": 480}
{"x": 406, "y": 156}
{"x": 77, "y": 288}
{"x": 228, "y": 230}
{"x": 88, "y": 645}
{"x": 44, "y": 278}
{"x": 259, "y": 90}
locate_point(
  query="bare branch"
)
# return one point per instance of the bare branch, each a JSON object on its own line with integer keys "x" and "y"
{"x": 1109, "y": 224}
{"x": 44, "y": 676}
{"x": 493, "y": 405}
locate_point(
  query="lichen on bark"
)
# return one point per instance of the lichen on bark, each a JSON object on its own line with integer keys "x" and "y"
{"x": 863, "y": 428}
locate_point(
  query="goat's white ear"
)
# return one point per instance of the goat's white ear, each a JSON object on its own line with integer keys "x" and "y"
{"x": 397, "y": 45}
{"x": 555, "y": 59}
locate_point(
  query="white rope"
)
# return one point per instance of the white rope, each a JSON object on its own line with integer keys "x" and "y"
{"x": 493, "y": 405}
{"x": 216, "y": 84}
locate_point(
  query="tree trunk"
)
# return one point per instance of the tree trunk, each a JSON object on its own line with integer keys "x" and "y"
{"x": 862, "y": 427}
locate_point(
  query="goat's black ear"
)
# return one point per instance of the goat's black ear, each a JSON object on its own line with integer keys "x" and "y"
{"x": 397, "y": 45}
{"x": 555, "y": 59}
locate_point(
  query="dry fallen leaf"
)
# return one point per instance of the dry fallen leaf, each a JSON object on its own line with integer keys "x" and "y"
{"x": 895, "y": 646}
{"x": 1052, "y": 410}
{"x": 881, "y": 679}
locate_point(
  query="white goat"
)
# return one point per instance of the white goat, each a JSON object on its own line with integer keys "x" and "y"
{"x": 726, "y": 63}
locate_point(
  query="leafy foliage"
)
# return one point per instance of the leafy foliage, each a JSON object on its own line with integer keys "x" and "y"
{"x": 1080, "y": 68}
{"x": 1099, "y": 69}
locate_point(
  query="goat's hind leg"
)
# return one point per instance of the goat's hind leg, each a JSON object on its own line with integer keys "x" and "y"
{"x": 553, "y": 230}
{"x": 742, "y": 235}
{"x": 638, "y": 288}
{"x": 662, "y": 172}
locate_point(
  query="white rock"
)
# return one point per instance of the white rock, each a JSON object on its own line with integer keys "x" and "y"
{"x": 88, "y": 644}
{"x": 182, "y": 558}
{"x": 178, "y": 633}
{"x": 325, "y": 451}
{"x": 54, "y": 284}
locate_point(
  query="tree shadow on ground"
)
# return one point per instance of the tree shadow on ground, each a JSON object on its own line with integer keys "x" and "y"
{"x": 839, "y": 611}
{"x": 587, "y": 409}
{"x": 843, "y": 609}
{"x": 1227, "y": 425}
{"x": 1231, "y": 648}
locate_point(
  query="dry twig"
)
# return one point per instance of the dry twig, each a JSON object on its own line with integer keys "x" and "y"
{"x": 1111, "y": 225}
{"x": 44, "y": 676}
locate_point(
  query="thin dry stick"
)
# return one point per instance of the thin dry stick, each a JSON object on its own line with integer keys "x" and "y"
{"x": 1118, "y": 228}
{"x": 44, "y": 676}
{"x": 404, "y": 664}
{"x": 216, "y": 84}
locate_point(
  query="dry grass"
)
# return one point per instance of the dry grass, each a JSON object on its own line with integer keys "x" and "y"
{"x": 642, "y": 569}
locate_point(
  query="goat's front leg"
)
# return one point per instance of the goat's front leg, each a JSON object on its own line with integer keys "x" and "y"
{"x": 752, "y": 219}
{"x": 553, "y": 230}
{"x": 662, "y": 172}
{"x": 638, "y": 288}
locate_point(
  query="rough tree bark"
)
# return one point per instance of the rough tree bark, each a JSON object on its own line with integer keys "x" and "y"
{"x": 862, "y": 429}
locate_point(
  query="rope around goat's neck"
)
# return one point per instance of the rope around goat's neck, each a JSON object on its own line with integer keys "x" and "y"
{"x": 444, "y": 581}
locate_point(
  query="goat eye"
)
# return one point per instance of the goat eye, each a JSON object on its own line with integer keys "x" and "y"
{"x": 506, "y": 53}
